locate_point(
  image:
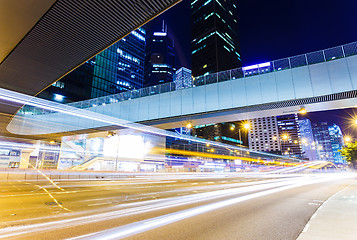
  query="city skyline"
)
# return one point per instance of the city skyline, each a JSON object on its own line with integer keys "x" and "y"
{"x": 284, "y": 39}
{"x": 273, "y": 30}
{"x": 178, "y": 119}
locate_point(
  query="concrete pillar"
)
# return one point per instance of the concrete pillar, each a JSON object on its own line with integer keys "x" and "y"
{"x": 25, "y": 158}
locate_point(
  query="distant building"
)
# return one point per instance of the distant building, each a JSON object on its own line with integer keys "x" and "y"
{"x": 214, "y": 36}
{"x": 289, "y": 133}
{"x": 323, "y": 141}
{"x": 306, "y": 139}
{"x": 116, "y": 69}
{"x": 264, "y": 135}
{"x": 183, "y": 78}
{"x": 159, "y": 59}
{"x": 337, "y": 142}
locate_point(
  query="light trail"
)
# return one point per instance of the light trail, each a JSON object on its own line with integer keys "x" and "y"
{"x": 20, "y": 98}
{"x": 218, "y": 156}
{"x": 148, "y": 206}
{"x": 297, "y": 168}
{"x": 149, "y": 224}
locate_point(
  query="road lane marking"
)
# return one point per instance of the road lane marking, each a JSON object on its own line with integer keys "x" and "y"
{"x": 96, "y": 204}
{"x": 151, "y": 205}
{"x": 153, "y": 223}
{"x": 54, "y": 199}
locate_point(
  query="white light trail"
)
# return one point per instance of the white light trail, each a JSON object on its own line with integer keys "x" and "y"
{"x": 154, "y": 205}
{"x": 20, "y": 98}
{"x": 145, "y": 225}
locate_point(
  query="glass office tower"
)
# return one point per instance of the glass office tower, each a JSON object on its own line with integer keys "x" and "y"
{"x": 337, "y": 142}
{"x": 214, "y": 36}
{"x": 160, "y": 59}
{"x": 117, "y": 69}
{"x": 323, "y": 139}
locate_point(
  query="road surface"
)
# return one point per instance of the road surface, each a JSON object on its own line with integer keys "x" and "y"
{"x": 167, "y": 206}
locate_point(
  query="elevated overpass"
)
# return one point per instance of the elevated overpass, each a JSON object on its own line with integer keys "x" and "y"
{"x": 43, "y": 40}
{"x": 318, "y": 81}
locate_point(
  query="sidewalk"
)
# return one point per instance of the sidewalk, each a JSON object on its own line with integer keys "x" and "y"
{"x": 336, "y": 219}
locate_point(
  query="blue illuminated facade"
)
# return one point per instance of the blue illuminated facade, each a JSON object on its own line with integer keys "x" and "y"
{"x": 214, "y": 36}
{"x": 323, "y": 141}
{"x": 306, "y": 139}
{"x": 183, "y": 78}
{"x": 121, "y": 66}
{"x": 117, "y": 69}
{"x": 337, "y": 143}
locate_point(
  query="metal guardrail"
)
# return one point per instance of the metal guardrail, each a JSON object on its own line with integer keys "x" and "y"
{"x": 326, "y": 55}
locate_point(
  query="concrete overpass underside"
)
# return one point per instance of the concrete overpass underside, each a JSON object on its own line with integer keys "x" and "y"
{"x": 41, "y": 41}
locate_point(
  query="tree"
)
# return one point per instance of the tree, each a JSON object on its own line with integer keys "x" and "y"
{"x": 350, "y": 153}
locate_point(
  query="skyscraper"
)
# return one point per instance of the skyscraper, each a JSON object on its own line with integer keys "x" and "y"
{"x": 323, "y": 141}
{"x": 289, "y": 135}
{"x": 214, "y": 36}
{"x": 118, "y": 68}
{"x": 337, "y": 142}
{"x": 121, "y": 67}
{"x": 264, "y": 135}
{"x": 183, "y": 78}
{"x": 306, "y": 139}
{"x": 159, "y": 59}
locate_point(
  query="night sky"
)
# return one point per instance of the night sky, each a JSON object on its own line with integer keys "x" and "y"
{"x": 271, "y": 30}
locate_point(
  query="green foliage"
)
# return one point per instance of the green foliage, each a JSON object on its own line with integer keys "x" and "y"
{"x": 350, "y": 152}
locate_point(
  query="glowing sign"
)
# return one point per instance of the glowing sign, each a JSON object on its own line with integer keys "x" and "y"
{"x": 261, "y": 65}
{"x": 160, "y": 34}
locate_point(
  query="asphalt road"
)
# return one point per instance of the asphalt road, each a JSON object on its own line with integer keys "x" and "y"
{"x": 164, "y": 207}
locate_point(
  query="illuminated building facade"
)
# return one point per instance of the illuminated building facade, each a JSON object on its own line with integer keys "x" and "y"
{"x": 121, "y": 67}
{"x": 214, "y": 36}
{"x": 159, "y": 59}
{"x": 118, "y": 68}
{"x": 323, "y": 140}
{"x": 307, "y": 140}
{"x": 289, "y": 134}
{"x": 337, "y": 142}
{"x": 263, "y": 135}
{"x": 183, "y": 78}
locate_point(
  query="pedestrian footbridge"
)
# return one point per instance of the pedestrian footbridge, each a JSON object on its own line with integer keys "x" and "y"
{"x": 317, "y": 81}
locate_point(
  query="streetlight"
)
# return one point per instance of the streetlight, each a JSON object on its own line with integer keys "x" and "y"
{"x": 348, "y": 139}
{"x": 246, "y": 127}
{"x": 302, "y": 110}
{"x": 189, "y": 125}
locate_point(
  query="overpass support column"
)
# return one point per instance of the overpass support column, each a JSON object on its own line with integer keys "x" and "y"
{"x": 25, "y": 158}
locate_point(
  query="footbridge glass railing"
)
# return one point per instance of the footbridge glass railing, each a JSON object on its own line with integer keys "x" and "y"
{"x": 326, "y": 55}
